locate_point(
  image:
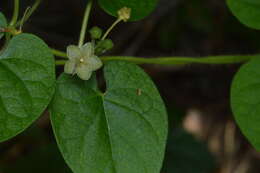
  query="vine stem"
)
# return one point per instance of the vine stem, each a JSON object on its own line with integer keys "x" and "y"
{"x": 110, "y": 28}
{"x": 85, "y": 23}
{"x": 224, "y": 59}
{"x": 15, "y": 13}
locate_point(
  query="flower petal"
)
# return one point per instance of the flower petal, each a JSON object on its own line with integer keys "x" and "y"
{"x": 70, "y": 67}
{"x": 73, "y": 52}
{"x": 83, "y": 72}
{"x": 94, "y": 63}
{"x": 87, "y": 50}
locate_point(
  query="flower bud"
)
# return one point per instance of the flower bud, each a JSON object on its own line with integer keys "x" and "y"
{"x": 95, "y": 32}
{"x": 107, "y": 44}
{"x": 124, "y": 14}
{"x": 103, "y": 46}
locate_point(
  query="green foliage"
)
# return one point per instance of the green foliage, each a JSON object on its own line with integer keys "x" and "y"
{"x": 245, "y": 103}
{"x": 139, "y": 8}
{"x": 122, "y": 130}
{"x": 247, "y": 11}
{"x": 27, "y": 83}
{"x": 3, "y": 23}
{"x": 185, "y": 154}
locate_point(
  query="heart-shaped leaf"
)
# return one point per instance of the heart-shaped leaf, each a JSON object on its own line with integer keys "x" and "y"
{"x": 245, "y": 100}
{"x": 139, "y": 8}
{"x": 247, "y": 11}
{"x": 121, "y": 131}
{"x": 3, "y": 23}
{"x": 27, "y": 83}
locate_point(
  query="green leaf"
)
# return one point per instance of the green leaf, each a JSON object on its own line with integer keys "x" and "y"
{"x": 245, "y": 100}
{"x": 121, "y": 131}
{"x": 139, "y": 8}
{"x": 247, "y": 11}
{"x": 3, "y": 23}
{"x": 27, "y": 83}
{"x": 184, "y": 149}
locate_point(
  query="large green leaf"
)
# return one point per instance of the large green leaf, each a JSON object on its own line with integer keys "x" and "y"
{"x": 139, "y": 8}
{"x": 27, "y": 83}
{"x": 247, "y": 11}
{"x": 245, "y": 100}
{"x": 121, "y": 131}
{"x": 3, "y": 23}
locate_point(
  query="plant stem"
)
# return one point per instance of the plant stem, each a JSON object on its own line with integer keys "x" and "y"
{"x": 85, "y": 23}
{"x": 22, "y": 21}
{"x": 15, "y": 13}
{"x": 29, "y": 13}
{"x": 229, "y": 59}
{"x": 184, "y": 60}
{"x": 60, "y": 62}
{"x": 59, "y": 53}
{"x": 110, "y": 28}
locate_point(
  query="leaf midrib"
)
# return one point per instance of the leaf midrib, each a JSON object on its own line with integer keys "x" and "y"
{"x": 109, "y": 134}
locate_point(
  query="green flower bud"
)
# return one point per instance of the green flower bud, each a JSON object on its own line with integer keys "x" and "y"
{"x": 95, "y": 32}
{"x": 107, "y": 44}
{"x": 103, "y": 46}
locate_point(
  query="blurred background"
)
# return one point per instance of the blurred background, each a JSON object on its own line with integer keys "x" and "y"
{"x": 203, "y": 137}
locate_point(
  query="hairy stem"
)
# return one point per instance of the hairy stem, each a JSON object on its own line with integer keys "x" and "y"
{"x": 85, "y": 23}
{"x": 15, "y": 13}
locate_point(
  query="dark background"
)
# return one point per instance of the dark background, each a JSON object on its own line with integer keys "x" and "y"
{"x": 203, "y": 137}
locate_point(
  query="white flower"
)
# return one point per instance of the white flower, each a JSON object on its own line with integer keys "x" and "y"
{"x": 82, "y": 61}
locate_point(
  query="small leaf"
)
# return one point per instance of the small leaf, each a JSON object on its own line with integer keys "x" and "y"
{"x": 245, "y": 100}
{"x": 27, "y": 83}
{"x": 247, "y": 11}
{"x": 139, "y": 8}
{"x": 3, "y": 23}
{"x": 121, "y": 131}
{"x": 184, "y": 149}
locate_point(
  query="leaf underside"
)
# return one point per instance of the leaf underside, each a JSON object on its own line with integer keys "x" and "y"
{"x": 139, "y": 8}
{"x": 245, "y": 100}
{"x": 27, "y": 83}
{"x": 121, "y": 131}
